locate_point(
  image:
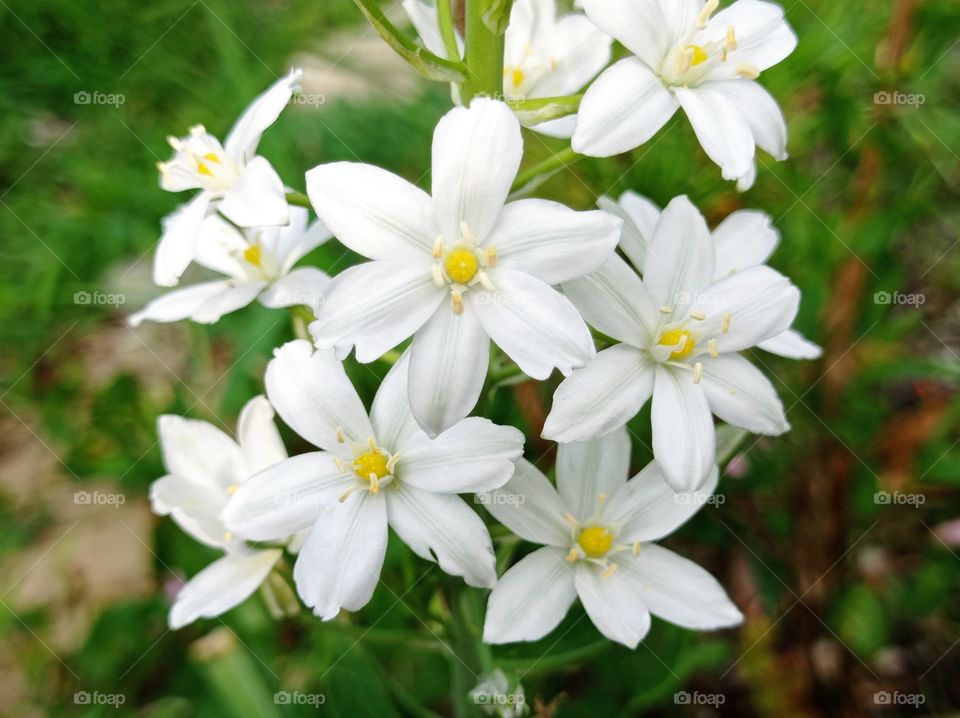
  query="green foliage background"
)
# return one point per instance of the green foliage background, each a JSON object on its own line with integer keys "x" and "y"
{"x": 845, "y": 596}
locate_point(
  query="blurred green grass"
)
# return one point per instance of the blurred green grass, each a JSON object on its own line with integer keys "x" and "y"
{"x": 867, "y": 203}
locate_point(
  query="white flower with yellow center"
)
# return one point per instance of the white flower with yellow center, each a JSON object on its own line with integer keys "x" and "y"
{"x": 681, "y": 334}
{"x": 258, "y": 263}
{"x": 231, "y": 178}
{"x": 205, "y": 467}
{"x": 372, "y": 471}
{"x": 686, "y": 56}
{"x": 597, "y": 529}
{"x": 544, "y": 55}
{"x": 745, "y": 238}
{"x": 457, "y": 269}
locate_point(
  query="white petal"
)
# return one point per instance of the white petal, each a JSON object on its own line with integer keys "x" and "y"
{"x": 615, "y": 301}
{"x": 445, "y": 529}
{"x": 529, "y": 506}
{"x": 390, "y": 414}
{"x": 761, "y": 111}
{"x": 194, "y": 506}
{"x": 721, "y": 127}
{"x": 225, "y": 583}
{"x": 476, "y": 154}
{"x": 622, "y": 109}
{"x": 647, "y": 509}
{"x": 603, "y": 395}
{"x": 371, "y": 211}
{"x": 313, "y": 395}
{"x": 741, "y": 395}
{"x": 286, "y": 497}
{"x": 339, "y": 565}
{"x": 200, "y": 452}
{"x": 243, "y": 138}
{"x": 236, "y": 296}
{"x": 763, "y": 36}
{"x": 220, "y": 247}
{"x": 612, "y": 604}
{"x": 530, "y": 599}
{"x": 551, "y": 241}
{"x": 473, "y": 455}
{"x": 448, "y": 365}
{"x": 532, "y": 323}
{"x": 375, "y": 306}
{"x": 258, "y": 435}
{"x": 792, "y": 345}
{"x": 589, "y": 470}
{"x": 679, "y": 262}
{"x": 640, "y": 217}
{"x": 180, "y": 303}
{"x": 758, "y": 302}
{"x": 648, "y": 28}
{"x": 178, "y": 243}
{"x": 304, "y": 285}
{"x": 562, "y": 128}
{"x": 257, "y": 197}
{"x": 298, "y": 238}
{"x": 679, "y": 591}
{"x": 744, "y": 239}
{"x": 683, "y": 437}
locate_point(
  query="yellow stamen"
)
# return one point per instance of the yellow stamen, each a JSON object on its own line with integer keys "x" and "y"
{"x": 747, "y": 70}
{"x": 212, "y": 157}
{"x": 371, "y": 464}
{"x": 490, "y": 257}
{"x": 699, "y": 55}
{"x": 680, "y": 338}
{"x": 232, "y": 489}
{"x": 595, "y": 540}
{"x": 725, "y": 327}
{"x": 204, "y": 170}
{"x": 516, "y": 76}
{"x": 456, "y": 303}
{"x": 611, "y": 569}
{"x": 253, "y": 254}
{"x": 461, "y": 265}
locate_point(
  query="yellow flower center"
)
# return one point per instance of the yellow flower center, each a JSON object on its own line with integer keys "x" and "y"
{"x": 595, "y": 541}
{"x": 681, "y": 337}
{"x": 699, "y": 55}
{"x": 372, "y": 462}
{"x": 461, "y": 265}
{"x": 253, "y": 254}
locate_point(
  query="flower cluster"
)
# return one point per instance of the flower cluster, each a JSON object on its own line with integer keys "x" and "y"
{"x": 470, "y": 271}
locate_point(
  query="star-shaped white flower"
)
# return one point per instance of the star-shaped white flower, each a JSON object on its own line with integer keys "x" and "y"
{"x": 681, "y": 335}
{"x": 258, "y": 263}
{"x": 745, "y": 238}
{"x": 685, "y": 56}
{"x": 242, "y": 186}
{"x": 205, "y": 466}
{"x": 457, "y": 269}
{"x": 371, "y": 471}
{"x": 544, "y": 55}
{"x": 597, "y": 529}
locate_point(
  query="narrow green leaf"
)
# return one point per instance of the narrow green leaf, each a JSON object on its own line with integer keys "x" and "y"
{"x": 497, "y": 16}
{"x": 533, "y": 112}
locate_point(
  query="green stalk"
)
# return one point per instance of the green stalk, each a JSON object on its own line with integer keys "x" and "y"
{"x": 483, "y": 55}
{"x": 299, "y": 200}
{"x": 232, "y": 676}
{"x": 553, "y": 163}
{"x": 447, "y": 30}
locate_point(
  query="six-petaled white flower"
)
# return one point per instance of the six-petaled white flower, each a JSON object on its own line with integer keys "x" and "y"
{"x": 745, "y": 238}
{"x": 205, "y": 467}
{"x": 372, "y": 471}
{"x": 232, "y": 178}
{"x": 258, "y": 263}
{"x": 681, "y": 333}
{"x": 597, "y": 528}
{"x": 457, "y": 269}
{"x": 685, "y": 56}
{"x": 544, "y": 55}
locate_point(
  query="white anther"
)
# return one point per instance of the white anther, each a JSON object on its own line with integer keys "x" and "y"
{"x": 726, "y": 322}
{"x": 706, "y": 12}
{"x": 697, "y": 372}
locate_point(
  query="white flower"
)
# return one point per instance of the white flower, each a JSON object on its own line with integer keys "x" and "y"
{"x": 258, "y": 263}
{"x": 544, "y": 56}
{"x": 596, "y": 528}
{"x": 205, "y": 466}
{"x": 684, "y": 56}
{"x": 746, "y": 238}
{"x": 232, "y": 178}
{"x": 681, "y": 335}
{"x": 457, "y": 269}
{"x": 372, "y": 471}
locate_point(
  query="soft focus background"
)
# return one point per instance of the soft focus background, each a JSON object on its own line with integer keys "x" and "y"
{"x": 839, "y": 541}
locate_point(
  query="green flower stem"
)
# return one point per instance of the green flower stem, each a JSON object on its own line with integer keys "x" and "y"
{"x": 447, "y": 30}
{"x": 553, "y": 163}
{"x": 299, "y": 200}
{"x": 483, "y": 55}
{"x": 300, "y": 317}
{"x": 232, "y": 675}
{"x": 564, "y": 659}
